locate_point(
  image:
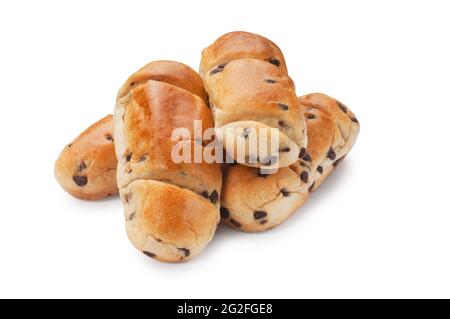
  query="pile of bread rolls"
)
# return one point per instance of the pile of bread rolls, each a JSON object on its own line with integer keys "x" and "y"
{"x": 172, "y": 209}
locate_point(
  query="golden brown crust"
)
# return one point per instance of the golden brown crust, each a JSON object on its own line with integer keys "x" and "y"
{"x": 341, "y": 115}
{"x": 166, "y": 222}
{"x": 175, "y": 73}
{"x": 256, "y": 201}
{"x": 323, "y": 135}
{"x": 253, "y": 202}
{"x": 86, "y": 168}
{"x": 240, "y": 44}
{"x": 150, "y": 114}
{"x": 244, "y": 91}
{"x": 244, "y": 84}
{"x": 171, "y": 209}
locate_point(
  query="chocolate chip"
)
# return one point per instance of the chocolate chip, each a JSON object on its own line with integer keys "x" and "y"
{"x": 222, "y": 66}
{"x": 109, "y": 137}
{"x": 331, "y": 154}
{"x": 186, "y": 251}
{"x": 342, "y": 106}
{"x": 81, "y": 166}
{"x": 304, "y": 176}
{"x": 142, "y": 158}
{"x": 354, "y": 119}
{"x": 235, "y": 223}
{"x": 246, "y": 132}
{"x": 310, "y": 189}
{"x": 128, "y": 158}
{"x": 302, "y": 152}
{"x": 264, "y": 221}
{"x": 285, "y": 192}
{"x": 282, "y": 124}
{"x": 307, "y": 157}
{"x": 320, "y": 169}
{"x": 283, "y": 106}
{"x": 274, "y": 61}
{"x": 149, "y": 254}
{"x": 216, "y": 70}
{"x": 310, "y": 116}
{"x": 285, "y": 150}
{"x": 131, "y": 217}
{"x": 258, "y": 214}
{"x": 69, "y": 145}
{"x": 80, "y": 180}
{"x": 132, "y": 83}
{"x": 270, "y": 81}
{"x": 205, "y": 194}
{"x": 224, "y": 212}
{"x": 269, "y": 160}
{"x": 214, "y": 197}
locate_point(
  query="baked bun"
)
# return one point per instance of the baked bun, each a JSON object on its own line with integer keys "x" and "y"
{"x": 247, "y": 81}
{"x": 252, "y": 201}
{"x": 172, "y": 209}
{"x": 86, "y": 168}
{"x": 239, "y": 45}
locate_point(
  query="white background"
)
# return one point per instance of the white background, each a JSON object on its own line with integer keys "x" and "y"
{"x": 380, "y": 225}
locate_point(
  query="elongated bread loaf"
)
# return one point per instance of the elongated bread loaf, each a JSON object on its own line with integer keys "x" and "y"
{"x": 171, "y": 209}
{"x": 86, "y": 168}
{"x": 251, "y": 93}
{"x": 254, "y": 202}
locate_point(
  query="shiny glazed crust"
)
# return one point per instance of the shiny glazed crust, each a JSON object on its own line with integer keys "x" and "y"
{"x": 86, "y": 168}
{"x": 171, "y": 209}
{"x": 246, "y": 78}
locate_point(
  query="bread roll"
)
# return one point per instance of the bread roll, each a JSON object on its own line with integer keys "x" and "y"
{"x": 254, "y": 202}
{"x": 249, "y": 88}
{"x": 171, "y": 209}
{"x": 86, "y": 168}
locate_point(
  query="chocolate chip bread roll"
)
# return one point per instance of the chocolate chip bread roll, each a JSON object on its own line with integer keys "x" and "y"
{"x": 251, "y": 93}
{"x": 86, "y": 168}
{"x": 254, "y": 202}
{"x": 171, "y": 209}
